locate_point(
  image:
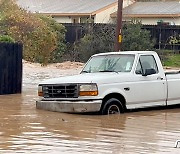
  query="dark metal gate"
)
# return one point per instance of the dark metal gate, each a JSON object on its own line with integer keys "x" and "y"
{"x": 10, "y": 68}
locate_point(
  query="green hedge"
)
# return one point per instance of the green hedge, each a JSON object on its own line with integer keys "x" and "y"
{"x": 6, "y": 38}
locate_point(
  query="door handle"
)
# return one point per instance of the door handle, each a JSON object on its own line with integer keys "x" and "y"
{"x": 127, "y": 89}
{"x": 159, "y": 78}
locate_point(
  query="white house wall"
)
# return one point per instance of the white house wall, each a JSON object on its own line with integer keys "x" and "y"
{"x": 153, "y": 21}
{"x": 101, "y": 17}
{"x": 127, "y": 3}
{"x": 63, "y": 19}
{"x": 177, "y": 21}
{"x": 104, "y": 16}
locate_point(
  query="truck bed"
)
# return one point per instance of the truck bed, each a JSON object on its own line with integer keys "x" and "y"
{"x": 168, "y": 72}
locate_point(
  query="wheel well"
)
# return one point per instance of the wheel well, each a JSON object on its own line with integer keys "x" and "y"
{"x": 117, "y": 96}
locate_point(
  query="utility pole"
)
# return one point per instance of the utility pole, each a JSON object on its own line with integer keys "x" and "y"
{"x": 118, "y": 41}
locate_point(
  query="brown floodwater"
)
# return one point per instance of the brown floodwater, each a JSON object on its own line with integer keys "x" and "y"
{"x": 24, "y": 129}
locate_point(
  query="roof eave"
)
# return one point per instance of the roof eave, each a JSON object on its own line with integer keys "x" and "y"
{"x": 146, "y": 15}
{"x": 150, "y": 15}
{"x": 104, "y": 8}
{"x": 66, "y": 14}
{"x": 81, "y": 14}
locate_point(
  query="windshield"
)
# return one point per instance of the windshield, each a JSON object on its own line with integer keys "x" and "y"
{"x": 109, "y": 63}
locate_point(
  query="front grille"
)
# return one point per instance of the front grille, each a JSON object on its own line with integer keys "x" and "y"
{"x": 60, "y": 91}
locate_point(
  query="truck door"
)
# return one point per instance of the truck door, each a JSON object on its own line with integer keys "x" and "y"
{"x": 147, "y": 90}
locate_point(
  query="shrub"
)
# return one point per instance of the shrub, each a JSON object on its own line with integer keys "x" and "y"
{"x": 60, "y": 30}
{"x": 39, "y": 39}
{"x": 6, "y": 38}
{"x": 135, "y": 38}
{"x": 96, "y": 40}
{"x": 102, "y": 39}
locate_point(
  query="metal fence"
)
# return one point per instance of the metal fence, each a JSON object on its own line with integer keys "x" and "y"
{"x": 10, "y": 68}
{"x": 163, "y": 34}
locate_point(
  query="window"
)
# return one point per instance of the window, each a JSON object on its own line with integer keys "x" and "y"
{"x": 146, "y": 62}
{"x": 110, "y": 63}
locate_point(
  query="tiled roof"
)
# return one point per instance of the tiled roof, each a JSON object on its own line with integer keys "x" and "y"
{"x": 153, "y": 8}
{"x": 65, "y": 6}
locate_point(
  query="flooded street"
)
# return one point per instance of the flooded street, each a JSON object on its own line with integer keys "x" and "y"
{"x": 24, "y": 129}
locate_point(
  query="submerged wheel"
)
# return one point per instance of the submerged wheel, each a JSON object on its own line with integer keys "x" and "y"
{"x": 112, "y": 106}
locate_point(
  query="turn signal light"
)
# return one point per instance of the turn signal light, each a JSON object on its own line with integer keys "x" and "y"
{"x": 40, "y": 94}
{"x": 88, "y": 93}
{"x": 40, "y": 91}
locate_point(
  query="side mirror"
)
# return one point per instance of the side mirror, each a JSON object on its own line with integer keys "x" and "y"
{"x": 149, "y": 72}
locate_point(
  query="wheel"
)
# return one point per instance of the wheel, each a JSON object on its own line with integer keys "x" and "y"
{"x": 112, "y": 106}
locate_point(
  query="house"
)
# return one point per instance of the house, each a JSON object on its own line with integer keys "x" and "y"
{"x": 153, "y": 13}
{"x": 74, "y": 11}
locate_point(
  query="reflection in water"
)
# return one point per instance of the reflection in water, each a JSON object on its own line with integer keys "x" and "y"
{"x": 23, "y": 129}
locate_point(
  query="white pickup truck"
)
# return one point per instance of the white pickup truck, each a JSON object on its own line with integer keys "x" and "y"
{"x": 112, "y": 82}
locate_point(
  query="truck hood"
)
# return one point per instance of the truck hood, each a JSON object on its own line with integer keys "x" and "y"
{"x": 101, "y": 77}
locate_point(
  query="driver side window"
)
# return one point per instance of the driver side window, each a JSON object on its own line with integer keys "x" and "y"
{"x": 146, "y": 62}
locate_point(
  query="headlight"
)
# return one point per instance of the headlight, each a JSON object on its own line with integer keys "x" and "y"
{"x": 40, "y": 91}
{"x": 88, "y": 90}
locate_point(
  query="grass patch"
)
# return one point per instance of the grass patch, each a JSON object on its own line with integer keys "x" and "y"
{"x": 172, "y": 60}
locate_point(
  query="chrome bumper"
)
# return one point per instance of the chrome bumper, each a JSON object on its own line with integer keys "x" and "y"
{"x": 69, "y": 106}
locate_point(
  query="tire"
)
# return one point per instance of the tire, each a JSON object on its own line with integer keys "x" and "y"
{"x": 112, "y": 106}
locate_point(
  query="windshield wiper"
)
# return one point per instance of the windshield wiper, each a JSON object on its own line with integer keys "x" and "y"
{"x": 85, "y": 72}
{"x": 108, "y": 71}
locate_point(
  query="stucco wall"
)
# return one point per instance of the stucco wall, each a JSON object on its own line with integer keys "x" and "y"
{"x": 104, "y": 16}
{"x": 153, "y": 21}
{"x": 63, "y": 19}
{"x": 127, "y": 2}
